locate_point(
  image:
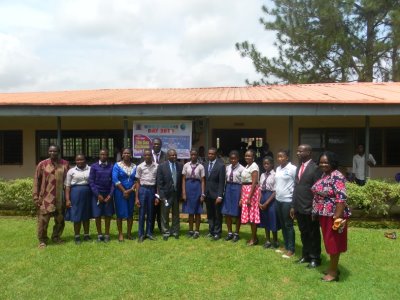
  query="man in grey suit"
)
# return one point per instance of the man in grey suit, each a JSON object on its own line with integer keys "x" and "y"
{"x": 306, "y": 175}
{"x": 169, "y": 186}
{"x": 215, "y": 183}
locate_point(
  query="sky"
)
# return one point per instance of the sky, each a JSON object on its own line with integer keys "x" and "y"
{"x": 49, "y": 45}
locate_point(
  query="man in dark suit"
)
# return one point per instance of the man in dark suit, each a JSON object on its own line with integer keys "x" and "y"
{"x": 306, "y": 175}
{"x": 215, "y": 182}
{"x": 169, "y": 186}
{"x": 159, "y": 157}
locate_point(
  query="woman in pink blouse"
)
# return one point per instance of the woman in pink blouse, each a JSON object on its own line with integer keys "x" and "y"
{"x": 329, "y": 205}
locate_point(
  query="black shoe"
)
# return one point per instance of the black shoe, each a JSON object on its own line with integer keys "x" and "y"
{"x": 229, "y": 237}
{"x": 151, "y": 238}
{"x": 86, "y": 238}
{"x": 141, "y": 239}
{"x": 176, "y": 236}
{"x": 100, "y": 238}
{"x": 106, "y": 239}
{"x": 130, "y": 237}
{"x": 216, "y": 237}
{"x": 190, "y": 234}
{"x": 313, "y": 264}
{"x": 275, "y": 245}
{"x": 303, "y": 260}
{"x": 165, "y": 237}
{"x": 77, "y": 240}
{"x": 196, "y": 235}
{"x": 267, "y": 245}
{"x": 236, "y": 238}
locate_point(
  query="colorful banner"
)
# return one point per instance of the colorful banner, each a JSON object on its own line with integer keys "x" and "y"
{"x": 173, "y": 134}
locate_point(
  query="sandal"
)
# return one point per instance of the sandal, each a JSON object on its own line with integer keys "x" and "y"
{"x": 42, "y": 245}
{"x": 391, "y": 235}
{"x": 252, "y": 242}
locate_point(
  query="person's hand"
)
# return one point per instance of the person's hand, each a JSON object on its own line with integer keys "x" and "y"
{"x": 184, "y": 196}
{"x": 68, "y": 204}
{"x": 137, "y": 203}
{"x": 201, "y": 199}
{"x": 106, "y": 199}
{"x": 37, "y": 202}
{"x": 218, "y": 200}
{"x": 156, "y": 201}
{"x": 248, "y": 202}
{"x": 261, "y": 206}
{"x": 126, "y": 194}
{"x": 100, "y": 198}
{"x": 292, "y": 214}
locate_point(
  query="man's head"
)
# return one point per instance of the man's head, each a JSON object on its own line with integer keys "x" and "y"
{"x": 212, "y": 154}
{"x": 53, "y": 152}
{"x": 360, "y": 149}
{"x": 172, "y": 155}
{"x": 304, "y": 152}
{"x": 157, "y": 144}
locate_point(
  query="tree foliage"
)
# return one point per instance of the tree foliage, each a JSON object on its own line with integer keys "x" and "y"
{"x": 329, "y": 41}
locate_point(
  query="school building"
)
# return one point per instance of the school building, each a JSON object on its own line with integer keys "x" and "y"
{"x": 335, "y": 117}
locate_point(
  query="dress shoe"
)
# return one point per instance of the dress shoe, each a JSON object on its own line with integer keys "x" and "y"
{"x": 87, "y": 238}
{"x": 196, "y": 235}
{"x": 141, "y": 239}
{"x": 229, "y": 237}
{"x": 151, "y": 238}
{"x": 216, "y": 237}
{"x": 106, "y": 238}
{"x": 236, "y": 238}
{"x": 165, "y": 237}
{"x": 77, "y": 240}
{"x": 313, "y": 264}
{"x": 176, "y": 236}
{"x": 100, "y": 238}
{"x": 267, "y": 245}
{"x": 303, "y": 260}
{"x": 190, "y": 234}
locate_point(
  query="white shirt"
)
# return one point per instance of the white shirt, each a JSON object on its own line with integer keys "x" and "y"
{"x": 237, "y": 172}
{"x": 76, "y": 176}
{"x": 247, "y": 171}
{"x": 359, "y": 165}
{"x": 284, "y": 182}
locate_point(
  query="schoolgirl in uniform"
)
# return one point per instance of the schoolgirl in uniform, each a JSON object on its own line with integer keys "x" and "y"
{"x": 193, "y": 185}
{"x": 268, "y": 217}
{"x": 78, "y": 197}
{"x": 233, "y": 189}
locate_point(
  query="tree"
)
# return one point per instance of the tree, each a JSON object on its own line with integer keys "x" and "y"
{"x": 329, "y": 41}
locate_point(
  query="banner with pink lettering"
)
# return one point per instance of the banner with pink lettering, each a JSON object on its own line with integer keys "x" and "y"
{"x": 174, "y": 134}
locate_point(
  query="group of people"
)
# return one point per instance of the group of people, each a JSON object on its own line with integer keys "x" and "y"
{"x": 313, "y": 193}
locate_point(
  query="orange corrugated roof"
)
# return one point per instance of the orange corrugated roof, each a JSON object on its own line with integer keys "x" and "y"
{"x": 338, "y": 93}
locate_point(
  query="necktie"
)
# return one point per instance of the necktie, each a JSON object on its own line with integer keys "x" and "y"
{"x": 174, "y": 174}
{"x": 264, "y": 185}
{"x": 231, "y": 175}
{"x": 210, "y": 166}
{"x": 193, "y": 174}
{"x": 301, "y": 170}
{"x": 157, "y": 157}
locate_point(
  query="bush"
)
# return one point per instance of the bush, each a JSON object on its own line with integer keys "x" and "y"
{"x": 17, "y": 193}
{"x": 376, "y": 196}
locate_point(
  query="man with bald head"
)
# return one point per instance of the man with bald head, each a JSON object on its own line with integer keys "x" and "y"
{"x": 306, "y": 175}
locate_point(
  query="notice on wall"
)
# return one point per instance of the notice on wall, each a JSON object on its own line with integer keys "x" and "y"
{"x": 174, "y": 134}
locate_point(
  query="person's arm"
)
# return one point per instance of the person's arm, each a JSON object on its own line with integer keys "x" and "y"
{"x": 184, "y": 187}
{"x": 68, "y": 196}
{"x": 353, "y": 169}
{"x": 254, "y": 182}
{"x": 117, "y": 182}
{"x": 203, "y": 189}
{"x": 137, "y": 202}
{"x": 221, "y": 184}
{"x": 37, "y": 181}
{"x": 160, "y": 183}
{"x": 339, "y": 188}
{"x": 269, "y": 200}
{"x": 371, "y": 161}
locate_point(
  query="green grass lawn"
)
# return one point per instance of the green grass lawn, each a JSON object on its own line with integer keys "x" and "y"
{"x": 185, "y": 268}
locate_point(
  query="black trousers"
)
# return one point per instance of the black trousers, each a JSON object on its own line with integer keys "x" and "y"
{"x": 214, "y": 216}
{"x": 156, "y": 217}
{"x": 310, "y": 236}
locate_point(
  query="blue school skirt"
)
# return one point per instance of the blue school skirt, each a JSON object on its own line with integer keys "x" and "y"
{"x": 192, "y": 205}
{"x": 230, "y": 206}
{"x": 102, "y": 209}
{"x": 268, "y": 217}
{"x": 81, "y": 197}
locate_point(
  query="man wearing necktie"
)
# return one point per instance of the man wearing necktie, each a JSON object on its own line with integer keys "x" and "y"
{"x": 215, "y": 183}
{"x": 159, "y": 157}
{"x": 169, "y": 186}
{"x": 307, "y": 174}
